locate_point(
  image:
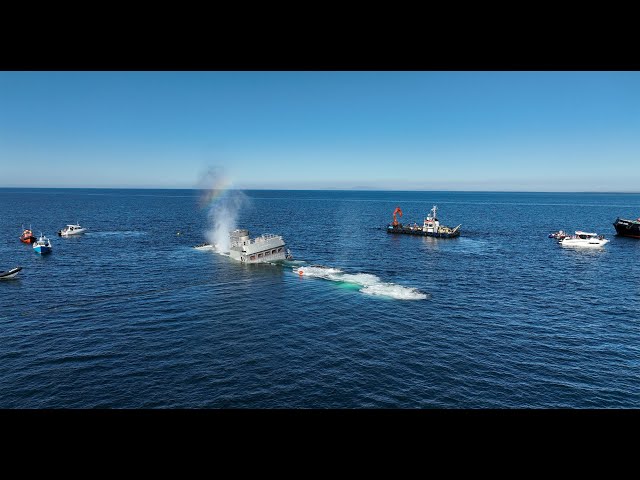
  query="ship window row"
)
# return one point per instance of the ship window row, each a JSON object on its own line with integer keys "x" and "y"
{"x": 267, "y": 253}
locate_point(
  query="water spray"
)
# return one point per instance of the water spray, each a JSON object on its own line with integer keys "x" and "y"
{"x": 224, "y": 205}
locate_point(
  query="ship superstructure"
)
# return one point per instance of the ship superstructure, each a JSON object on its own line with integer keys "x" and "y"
{"x": 265, "y": 248}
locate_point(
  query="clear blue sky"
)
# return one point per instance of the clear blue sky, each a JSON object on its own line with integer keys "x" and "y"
{"x": 549, "y": 131}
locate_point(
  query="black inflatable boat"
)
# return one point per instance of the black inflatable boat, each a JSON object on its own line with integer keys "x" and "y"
{"x": 10, "y": 273}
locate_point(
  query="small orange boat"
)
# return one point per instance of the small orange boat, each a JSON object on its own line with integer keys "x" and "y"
{"x": 27, "y": 236}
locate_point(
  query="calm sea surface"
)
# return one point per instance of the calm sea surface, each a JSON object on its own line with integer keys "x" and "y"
{"x": 131, "y": 316}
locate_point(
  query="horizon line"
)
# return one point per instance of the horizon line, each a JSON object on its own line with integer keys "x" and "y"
{"x": 355, "y": 189}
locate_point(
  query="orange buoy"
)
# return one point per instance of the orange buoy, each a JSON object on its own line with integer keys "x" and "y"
{"x": 300, "y": 272}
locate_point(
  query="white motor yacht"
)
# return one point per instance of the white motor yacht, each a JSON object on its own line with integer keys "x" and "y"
{"x": 584, "y": 239}
{"x": 71, "y": 230}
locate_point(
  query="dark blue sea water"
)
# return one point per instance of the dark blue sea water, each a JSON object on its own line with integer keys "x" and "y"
{"x": 131, "y": 316}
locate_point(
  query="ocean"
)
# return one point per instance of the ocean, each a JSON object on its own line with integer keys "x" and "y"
{"x": 130, "y": 315}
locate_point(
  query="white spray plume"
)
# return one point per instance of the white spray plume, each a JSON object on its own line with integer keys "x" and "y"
{"x": 224, "y": 205}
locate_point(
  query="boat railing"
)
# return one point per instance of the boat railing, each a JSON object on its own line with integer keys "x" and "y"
{"x": 263, "y": 238}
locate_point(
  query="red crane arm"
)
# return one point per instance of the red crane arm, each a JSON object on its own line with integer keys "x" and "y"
{"x": 396, "y": 211}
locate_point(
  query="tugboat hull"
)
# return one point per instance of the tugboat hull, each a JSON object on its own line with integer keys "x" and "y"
{"x": 627, "y": 228}
{"x": 420, "y": 232}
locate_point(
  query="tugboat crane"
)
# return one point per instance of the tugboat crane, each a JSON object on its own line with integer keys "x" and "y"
{"x": 395, "y": 220}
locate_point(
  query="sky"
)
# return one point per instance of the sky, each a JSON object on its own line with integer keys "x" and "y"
{"x": 504, "y": 131}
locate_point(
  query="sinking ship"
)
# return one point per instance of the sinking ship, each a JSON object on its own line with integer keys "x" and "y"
{"x": 430, "y": 228}
{"x": 265, "y": 248}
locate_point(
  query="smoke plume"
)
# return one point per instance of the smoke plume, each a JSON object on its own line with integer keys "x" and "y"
{"x": 224, "y": 205}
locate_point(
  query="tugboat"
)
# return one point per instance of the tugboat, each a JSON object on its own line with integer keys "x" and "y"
{"x": 43, "y": 245}
{"x": 627, "y": 228}
{"x": 27, "y": 236}
{"x": 584, "y": 239}
{"x": 430, "y": 228}
{"x": 265, "y": 248}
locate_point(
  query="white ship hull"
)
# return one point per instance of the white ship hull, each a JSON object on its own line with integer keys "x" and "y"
{"x": 69, "y": 233}
{"x": 266, "y": 257}
{"x": 578, "y": 242}
{"x": 584, "y": 240}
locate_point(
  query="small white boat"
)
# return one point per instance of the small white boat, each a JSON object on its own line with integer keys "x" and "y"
{"x": 205, "y": 246}
{"x": 71, "y": 230}
{"x": 42, "y": 245}
{"x": 584, "y": 239}
{"x": 10, "y": 273}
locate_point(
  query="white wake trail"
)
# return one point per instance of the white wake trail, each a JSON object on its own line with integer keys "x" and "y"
{"x": 371, "y": 284}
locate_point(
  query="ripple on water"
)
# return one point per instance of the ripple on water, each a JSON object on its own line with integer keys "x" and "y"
{"x": 129, "y": 315}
